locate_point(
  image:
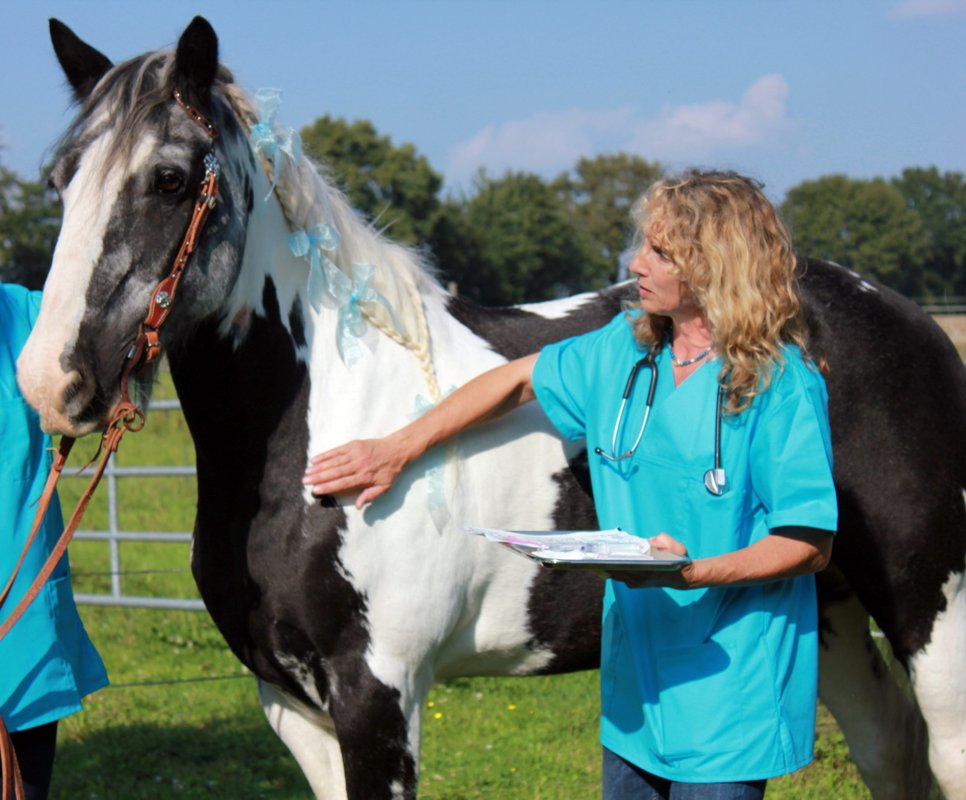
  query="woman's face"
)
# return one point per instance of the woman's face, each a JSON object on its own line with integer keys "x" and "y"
{"x": 661, "y": 290}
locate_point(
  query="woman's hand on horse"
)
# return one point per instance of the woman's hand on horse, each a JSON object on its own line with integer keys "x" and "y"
{"x": 368, "y": 464}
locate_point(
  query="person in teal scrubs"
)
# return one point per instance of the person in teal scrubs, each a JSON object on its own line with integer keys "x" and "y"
{"x": 708, "y": 674}
{"x": 47, "y": 661}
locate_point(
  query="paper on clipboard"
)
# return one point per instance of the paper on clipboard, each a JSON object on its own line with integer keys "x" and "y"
{"x": 594, "y": 550}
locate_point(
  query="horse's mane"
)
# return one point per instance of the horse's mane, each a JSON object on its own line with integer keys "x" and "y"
{"x": 308, "y": 197}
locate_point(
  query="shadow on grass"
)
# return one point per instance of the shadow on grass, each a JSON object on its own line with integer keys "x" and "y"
{"x": 224, "y": 759}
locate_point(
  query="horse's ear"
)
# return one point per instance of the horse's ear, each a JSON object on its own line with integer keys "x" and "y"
{"x": 196, "y": 61}
{"x": 82, "y": 64}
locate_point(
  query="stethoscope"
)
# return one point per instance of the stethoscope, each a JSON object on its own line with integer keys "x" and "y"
{"x": 715, "y": 479}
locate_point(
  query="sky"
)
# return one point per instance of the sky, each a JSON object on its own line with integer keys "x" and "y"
{"x": 782, "y": 90}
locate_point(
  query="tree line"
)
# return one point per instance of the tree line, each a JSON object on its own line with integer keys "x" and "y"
{"x": 518, "y": 237}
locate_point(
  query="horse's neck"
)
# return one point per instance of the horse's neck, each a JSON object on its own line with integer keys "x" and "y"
{"x": 402, "y": 283}
{"x": 270, "y": 329}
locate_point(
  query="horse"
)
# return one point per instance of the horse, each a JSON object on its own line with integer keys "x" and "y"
{"x": 280, "y": 348}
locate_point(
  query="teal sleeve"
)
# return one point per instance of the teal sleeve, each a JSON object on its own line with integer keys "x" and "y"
{"x": 791, "y": 452}
{"x": 558, "y": 383}
{"x": 567, "y": 373}
{"x": 33, "y": 306}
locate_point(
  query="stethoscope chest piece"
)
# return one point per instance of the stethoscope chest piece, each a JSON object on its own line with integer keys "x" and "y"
{"x": 716, "y": 481}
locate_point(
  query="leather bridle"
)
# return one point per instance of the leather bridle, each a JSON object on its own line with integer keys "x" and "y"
{"x": 125, "y": 416}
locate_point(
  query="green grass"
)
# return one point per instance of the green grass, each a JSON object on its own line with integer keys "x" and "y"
{"x": 182, "y": 718}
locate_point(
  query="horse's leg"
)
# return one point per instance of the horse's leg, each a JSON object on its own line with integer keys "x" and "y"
{"x": 310, "y": 736}
{"x": 883, "y": 728}
{"x": 377, "y": 720}
{"x": 938, "y": 677}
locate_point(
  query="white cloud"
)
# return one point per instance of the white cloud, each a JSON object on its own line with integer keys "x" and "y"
{"x": 913, "y": 9}
{"x": 552, "y": 142}
{"x": 698, "y": 130}
{"x": 544, "y": 143}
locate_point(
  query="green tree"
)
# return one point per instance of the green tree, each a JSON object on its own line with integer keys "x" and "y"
{"x": 940, "y": 201}
{"x": 29, "y": 223}
{"x": 512, "y": 240}
{"x": 394, "y": 186}
{"x": 864, "y": 225}
{"x": 599, "y": 193}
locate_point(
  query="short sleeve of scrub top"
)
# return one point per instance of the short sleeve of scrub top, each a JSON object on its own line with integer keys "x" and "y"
{"x": 791, "y": 452}
{"x": 564, "y": 377}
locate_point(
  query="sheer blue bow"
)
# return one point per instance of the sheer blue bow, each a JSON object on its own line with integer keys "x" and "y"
{"x": 325, "y": 278}
{"x": 435, "y": 463}
{"x": 349, "y": 293}
{"x": 269, "y": 138}
{"x": 310, "y": 243}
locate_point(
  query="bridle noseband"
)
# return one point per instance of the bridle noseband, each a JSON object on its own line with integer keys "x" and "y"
{"x": 124, "y": 417}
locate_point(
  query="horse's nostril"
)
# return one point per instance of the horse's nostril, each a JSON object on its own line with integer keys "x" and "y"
{"x": 76, "y": 393}
{"x": 71, "y": 390}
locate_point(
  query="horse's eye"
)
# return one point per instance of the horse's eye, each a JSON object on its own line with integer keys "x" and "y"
{"x": 169, "y": 182}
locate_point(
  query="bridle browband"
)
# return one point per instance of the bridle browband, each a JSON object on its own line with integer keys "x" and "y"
{"x": 125, "y": 416}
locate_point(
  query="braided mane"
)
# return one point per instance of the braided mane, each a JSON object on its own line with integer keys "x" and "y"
{"x": 308, "y": 198}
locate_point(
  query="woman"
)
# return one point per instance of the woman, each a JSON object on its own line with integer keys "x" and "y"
{"x": 47, "y": 662}
{"x": 709, "y": 674}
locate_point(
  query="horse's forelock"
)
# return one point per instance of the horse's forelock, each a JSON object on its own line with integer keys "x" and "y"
{"x": 131, "y": 99}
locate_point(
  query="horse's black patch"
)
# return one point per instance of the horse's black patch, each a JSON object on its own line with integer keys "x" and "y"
{"x": 297, "y": 324}
{"x": 266, "y": 562}
{"x": 516, "y": 332}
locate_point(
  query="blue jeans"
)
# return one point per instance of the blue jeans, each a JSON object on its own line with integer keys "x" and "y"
{"x": 623, "y": 781}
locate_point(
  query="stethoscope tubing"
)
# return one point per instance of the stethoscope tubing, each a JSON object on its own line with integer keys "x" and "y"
{"x": 715, "y": 479}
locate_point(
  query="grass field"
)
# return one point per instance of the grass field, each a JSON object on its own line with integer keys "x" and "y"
{"x": 182, "y": 717}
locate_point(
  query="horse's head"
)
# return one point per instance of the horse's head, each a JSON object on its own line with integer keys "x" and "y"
{"x": 128, "y": 171}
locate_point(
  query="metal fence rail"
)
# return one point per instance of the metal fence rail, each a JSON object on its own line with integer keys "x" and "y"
{"x": 114, "y": 535}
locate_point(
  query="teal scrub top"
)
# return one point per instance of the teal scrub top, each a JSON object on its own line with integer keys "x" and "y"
{"x": 47, "y": 662}
{"x": 701, "y": 685}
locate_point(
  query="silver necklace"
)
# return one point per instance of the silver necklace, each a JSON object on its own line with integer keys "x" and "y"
{"x": 678, "y": 362}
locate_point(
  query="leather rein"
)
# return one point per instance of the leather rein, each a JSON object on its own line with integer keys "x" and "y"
{"x": 126, "y": 416}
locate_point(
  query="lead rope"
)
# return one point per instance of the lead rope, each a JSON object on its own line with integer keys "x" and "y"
{"x": 126, "y": 416}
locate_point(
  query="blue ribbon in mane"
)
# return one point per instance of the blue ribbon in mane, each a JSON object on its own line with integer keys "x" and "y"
{"x": 325, "y": 278}
{"x": 435, "y": 463}
{"x": 311, "y": 243}
{"x": 269, "y": 138}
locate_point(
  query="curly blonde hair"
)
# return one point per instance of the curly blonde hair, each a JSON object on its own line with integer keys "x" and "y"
{"x": 735, "y": 257}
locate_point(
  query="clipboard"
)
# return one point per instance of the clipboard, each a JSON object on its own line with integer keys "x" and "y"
{"x": 662, "y": 561}
{"x": 594, "y": 551}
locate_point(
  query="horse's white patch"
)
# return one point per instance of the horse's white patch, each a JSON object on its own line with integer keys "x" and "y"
{"x": 864, "y": 285}
{"x": 940, "y": 684}
{"x": 472, "y": 616}
{"x": 557, "y": 309}
{"x": 311, "y": 738}
{"x": 861, "y": 691}
{"x": 79, "y": 249}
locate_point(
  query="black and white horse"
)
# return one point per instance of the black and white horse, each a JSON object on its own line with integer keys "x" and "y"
{"x": 347, "y": 617}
